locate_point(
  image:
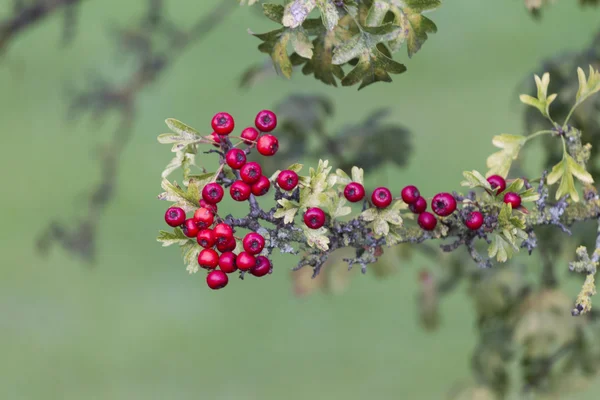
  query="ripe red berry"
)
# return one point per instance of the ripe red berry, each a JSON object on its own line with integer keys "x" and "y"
{"x": 190, "y": 229}
{"x": 474, "y": 220}
{"x": 249, "y": 135}
{"x": 211, "y": 207}
{"x": 427, "y": 221}
{"x": 216, "y": 279}
{"x": 265, "y": 121}
{"x": 240, "y": 191}
{"x": 253, "y": 243}
{"x": 410, "y": 194}
{"x": 287, "y": 179}
{"x": 381, "y": 197}
{"x": 267, "y": 145}
{"x": 314, "y": 218}
{"x": 354, "y": 192}
{"x": 208, "y": 259}
{"x": 223, "y": 123}
{"x": 235, "y": 158}
{"x": 206, "y": 238}
{"x": 216, "y": 138}
{"x": 443, "y": 204}
{"x": 245, "y": 261}
{"x": 226, "y": 244}
{"x": 223, "y": 232}
{"x": 496, "y": 181}
{"x": 513, "y": 199}
{"x": 203, "y": 217}
{"x": 418, "y": 206}
{"x": 261, "y": 187}
{"x": 262, "y": 267}
{"x": 227, "y": 262}
{"x": 251, "y": 172}
{"x": 175, "y": 216}
{"x": 212, "y": 193}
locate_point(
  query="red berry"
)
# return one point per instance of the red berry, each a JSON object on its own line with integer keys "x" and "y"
{"x": 261, "y": 187}
{"x": 245, "y": 261}
{"x": 216, "y": 280}
{"x": 253, "y": 243}
{"x": 204, "y": 217}
{"x": 190, "y": 229}
{"x": 443, "y": 204}
{"x": 223, "y": 232}
{"x": 354, "y": 192}
{"x": 474, "y": 220}
{"x": 410, "y": 194}
{"x": 249, "y": 135}
{"x": 265, "y": 121}
{"x": 240, "y": 191}
{"x": 314, "y": 218}
{"x": 267, "y": 145}
{"x": 206, "y": 238}
{"x": 216, "y": 138}
{"x": 226, "y": 244}
{"x": 211, "y": 207}
{"x": 212, "y": 193}
{"x": 235, "y": 158}
{"x": 262, "y": 267}
{"x": 223, "y": 123}
{"x": 418, "y": 206}
{"x": 251, "y": 172}
{"x": 513, "y": 199}
{"x": 287, "y": 179}
{"x": 175, "y": 216}
{"x": 427, "y": 221}
{"x": 208, "y": 259}
{"x": 496, "y": 181}
{"x": 381, "y": 197}
{"x": 227, "y": 262}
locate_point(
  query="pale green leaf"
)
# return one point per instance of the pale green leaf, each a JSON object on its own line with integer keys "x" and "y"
{"x": 515, "y": 186}
{"x": 474, "y": 179}
{"x": 530, "y": 194}
{"x": 287, "y": 212}
{"x": 543, "y": 101}
{"x": 190, "y": 252}
{"x": 500, "y": 162}
{"x": 170, "y": 238}
{"x": 589, "y": 85}
{"x": 317, "y": 238}
{"x": 500, "y": 249}
{"x": 296, "y": 11}
{"x": 564, "y": 171}
{"x": 369, "y": 214}
{"x": 380, "y": 227}
{"x": 358, "y": 175}
{"x": 336, "y": 206}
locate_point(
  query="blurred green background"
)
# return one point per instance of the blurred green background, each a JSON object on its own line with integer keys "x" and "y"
{"x": 136, "y": 325}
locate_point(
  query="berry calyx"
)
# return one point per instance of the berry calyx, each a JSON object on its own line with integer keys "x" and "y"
{"x": 208, "y": 259}
{"x": 190, "y": 229}
{"x": 174, "y": 216}
{"x": 474, "y": 220}
{"x": 227, "y": 262}
{"x": 427, "y": 221}
{"x": 418, "y": 206}
{"x": 443, "y": 204}
{"x": 354, "y": 192}
{"x": 216, "y": 139}
{"x": 212, "y": 193}
{"x": 265, "y": 121}
{"x": 410, "y": 194}
{"x": 226, "y": 244}
{"x": 314, "y": 218}
{"x": 245, "y": 261}
{"x": 287, "y": 179}
{"x": 261, "y": 187}
{"x": 249, "y": 135}
{"x": 223, "y": 233}
{"x": 253, "y": 243}
{"x": 203, "y": 217}
{"x": 206, "y": 238}
{"x": 235, "y": 158}
{"x": 267, "y": 145}
{"x": 211, "y": 207}
{"x": 262, "y": 267}
{"x": 251, "y": 172}
{"x": 513, "y": 199}
{"x": 381, "y": 197}
{"x": 216, "y": 279}
{"x": 497, "y": 182}
{"x": 240, "y": 191}
{"x": 223, "y": 123}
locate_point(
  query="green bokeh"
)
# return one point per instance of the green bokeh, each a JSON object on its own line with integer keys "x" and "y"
{"x": 136, "y": 326}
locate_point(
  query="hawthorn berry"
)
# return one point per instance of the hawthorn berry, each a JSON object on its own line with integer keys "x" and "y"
{"x": 253, "y": 243}
{"x": 496, "y": 181}
{"x": 287, "y": 179}
{"x": 267, "y": 145}
{"x": 203, "y": 217}
{"x": 223, "y": 232}
{"x": 174, "y": 216}
{"x": 262, "y": 267}
{"x": 249, "y": 135}
{"x": 227, "y": 262}
{"x": 418, "y": 206}
{"x": 513, "y": 199}
{"x": 245, "y": 261}
{"x": 443, "y": 204}
{"x": 216, "y": 279}
{"x": 410, "y": 194}
{"x": 216, "y": 139}
{"x": 208, "y": 259}
{"x": 212, "y": 193}
{"x": 265, "y": 121}
{"x": 354, "y": 192}
{"x": 381, "y": 197}
{"x": 261, "y": 187}
{"x": 190, "y": 229}
{"x": 240, "y": 191}
{"x": 314, "y": 218}
{"x": 206, "y": 238}
{"x": 427, "y": 221}
{"x": 251, "y": 172}
{"x": 226, "y": 244}
{"x": 235, "y": 158}
{"x": 223, "y": 123}
{"x": 211, "y": 207}
{"x": 474, "y": 220}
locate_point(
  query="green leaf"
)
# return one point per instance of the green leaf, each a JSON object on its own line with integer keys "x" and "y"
{"x": 340, "y": 178}
{"x": 383, "y": 218}
{"x": 589, "y": 85}
{"x": 500, "y": 162}
{"x": 528, "y": 195}
{"x": 187, "y": 200}
{"x": 315, "y": 184}
{"x": 564, "y": 171}
{"x": 515, "y": 186}
{"x": 287, "y": 212}
{"x": 297, "y": 11}
{"x": 317, "y": 238}
{"x": 170, "y": 238}
{"x": 336, "y": 206}
{"x": 190, "y": 252}
{"x": 500, "y": 248}
{"x": 474, "y": 179}
{"x": 543, "y": 101}
{"x": 182, "y": 137}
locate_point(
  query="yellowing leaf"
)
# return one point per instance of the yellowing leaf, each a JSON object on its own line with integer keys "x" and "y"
{"x": 543, "y": 101}
{"x": 500, "y": 162}
{"x": 589, "y": 85}
{"x": 317, "y": 238}
{"x": 475, "y": 179}
{"x": 287, "y": 212}
{"x": 564, "y": 171}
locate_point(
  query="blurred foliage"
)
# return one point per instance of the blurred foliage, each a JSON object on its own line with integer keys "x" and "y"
{"x": 535, "y": 6}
